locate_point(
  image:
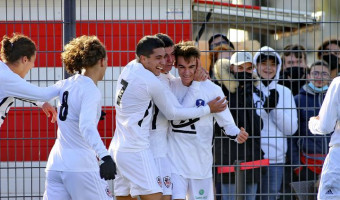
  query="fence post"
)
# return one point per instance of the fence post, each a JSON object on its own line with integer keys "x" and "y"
{"x": 69, "y": 24}
{"x": 240, "y": 181}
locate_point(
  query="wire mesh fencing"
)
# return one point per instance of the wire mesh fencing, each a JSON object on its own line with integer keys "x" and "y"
{"x": 281, "y": 160}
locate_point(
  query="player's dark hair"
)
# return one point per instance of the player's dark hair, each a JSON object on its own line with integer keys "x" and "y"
{"x": 187, "y": 50}
{"x": 82, "y": 52}
{"x": 147, "y": 44}
{"x": 166, "y": 39}
{"x": 12, "y": 49}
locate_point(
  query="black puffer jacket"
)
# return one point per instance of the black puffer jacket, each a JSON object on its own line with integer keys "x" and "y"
{"x": 241, "y": 106}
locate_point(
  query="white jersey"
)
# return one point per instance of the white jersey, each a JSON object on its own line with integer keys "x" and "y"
{"x": 137, "y": 90}
{"x": 160, "y": 125}
{"x": 14, "y": 87}
{"x": 190, "y": 141}
{"x": 329, "y": 114}
{"x": 78, "y": 141}
{"x": 329, "y": 121}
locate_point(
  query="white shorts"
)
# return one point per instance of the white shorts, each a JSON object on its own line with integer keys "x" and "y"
{"x": 192, "y": 189}
{"x": 329, "y": 187}
{"x": 163, "y": 164}
{"x": 76, "y": 185}
{"x": 137, "y": 174}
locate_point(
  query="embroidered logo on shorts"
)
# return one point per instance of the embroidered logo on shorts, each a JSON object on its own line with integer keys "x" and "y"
{"x": 159, "y": 181}
{"x": 108, "y": 191}
{"x": 167, "y": 181}
{"x": 200, "y": 102}
{"x": 201, "y": 192}
{"x": 329, "y": 192}
{"x": 202, "y": 195}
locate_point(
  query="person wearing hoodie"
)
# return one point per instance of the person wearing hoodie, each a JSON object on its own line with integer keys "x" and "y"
{"x": 277, "y": 110}
{"x": 238, "y": 82}
{"x": 312, "y": 148}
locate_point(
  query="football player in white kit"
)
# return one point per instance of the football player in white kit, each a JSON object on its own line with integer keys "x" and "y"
{"x": 138, "y": 89}
{"x": 72, "y": 170}
{"x": 190, "y": 141}
{"x": 160, "y": 124}
{"x": 326, "y": 122}
{"x": 18, "y": 55}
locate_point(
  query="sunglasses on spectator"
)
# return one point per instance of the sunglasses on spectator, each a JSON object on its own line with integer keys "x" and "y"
{"x": 212, "y": 46}
{"x": 322, "y": 74}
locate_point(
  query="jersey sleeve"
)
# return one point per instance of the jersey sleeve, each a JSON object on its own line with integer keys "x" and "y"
{"x": 328, "y": 114}
{"x": 225, "y": 119}
{"x": 169, "y": 105}
{"x": 19, "y": 88}
{"x": 88, "y": 121}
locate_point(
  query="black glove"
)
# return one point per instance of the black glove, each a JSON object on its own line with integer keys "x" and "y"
{"x": 102, "y": 115}
{"x": 271, "y": 101}
{"x": 107, "y": 168}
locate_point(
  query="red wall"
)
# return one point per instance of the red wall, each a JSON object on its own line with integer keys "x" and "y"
{"x": 119, "y": 37}
{"x": 28, "y": 135}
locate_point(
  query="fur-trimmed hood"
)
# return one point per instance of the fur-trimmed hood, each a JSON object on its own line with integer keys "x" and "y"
{"x": 223, "y": 75}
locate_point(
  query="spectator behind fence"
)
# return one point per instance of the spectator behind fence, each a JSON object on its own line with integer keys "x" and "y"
{"x": 219, "y": 52}
{"x": 294, "y": 65}
{"x": 312, "y": 148}
{"x": 293, "y": 76}
{"x": 278, "y": 113}
{"x": 238, "y": 81}
{"x": 218, "y": 42}
{"x": 329, "y": 51}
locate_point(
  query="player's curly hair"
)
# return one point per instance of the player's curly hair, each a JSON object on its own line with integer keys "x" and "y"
{"x": 12, "y": 49}
{"x": 187, "y": 50}
{"x": 82, "y": 52}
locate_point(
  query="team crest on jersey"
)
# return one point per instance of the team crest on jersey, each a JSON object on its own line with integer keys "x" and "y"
{"x": 200, "y": 102}
{"x": 159, "y": 181}
{"x": 108, "y": 191}
{"x": 167, "y": 181}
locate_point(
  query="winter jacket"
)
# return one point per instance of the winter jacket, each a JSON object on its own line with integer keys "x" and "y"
{"x": 280, "y": 122}
{"x": 308, "y": 103}
{"x": 242, "y": 108}
{"x": 293, "y": 85}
